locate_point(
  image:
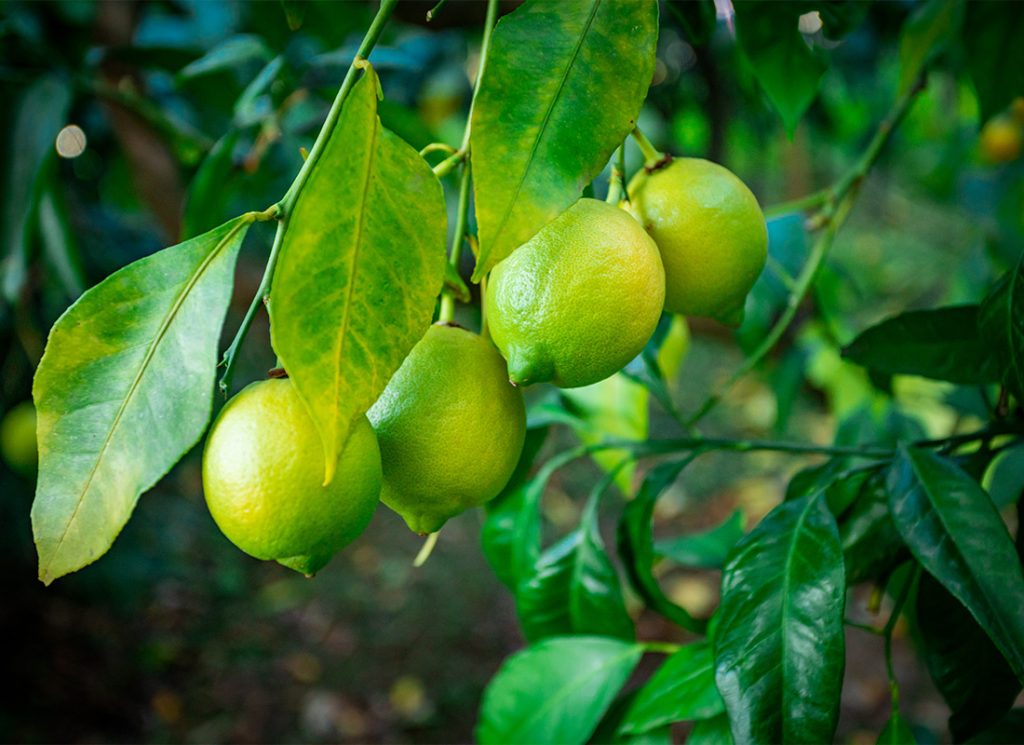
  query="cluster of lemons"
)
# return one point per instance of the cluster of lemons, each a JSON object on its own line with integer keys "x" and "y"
{"x": 571, "y": 307}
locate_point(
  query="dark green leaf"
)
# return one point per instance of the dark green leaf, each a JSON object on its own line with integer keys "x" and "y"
{"x": 248, "y": 110}
{"x": 60, "y": 245}
{"x": 871, "y": 544}
{"x": 636, "y": 544}
{"x": 896, "y": 731}
{"x": 953, "y": 528}
{"x": 1010, "y": 729}
{"x": 995, "y": 56}
{"x": 786, "y": 68}
{"x": 360, "y": 268}
{"x": 968, "y": 670}
{"x": 707, "y": 550}
{"x": 682, "y": 689}
{"x": 941, "y": 344}
{"x": 607, "y": 732}
{"x": 714, "y": 731}
{"x": 562, "y": 87}
{"x": 207, "y": 196}
{"x": 1002, "y": 325}
{"x": 697, "y": 17}
{"x": 779, "y": 648}
{"x": 124, "y": 389}
{"x": 555, "y": 691}
{"x": 926, "y": 34}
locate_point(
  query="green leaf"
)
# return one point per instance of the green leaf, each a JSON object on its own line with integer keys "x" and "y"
{"x": 925, "y": 35}
{"x": 941, "y": 344}
{"x": 40, "y": 113}
{"x": 779, "y": 649}
{"x": 562, "y": 87}
{"x": 682, "y": 689}
{"x": 1010, "y": 729}
{"x": 573, "y": 588}
{"x": 607, "y": 732}
{"x": 995, "y": 56}
{"x": 697, "y": 17}
{"x": 360, "y": 268}
{"x": 707, "y": 550}
{"x": 124, "y": 390}
{"x": 235, "y": 51}
{"x": 1001, "y": 320}
{"x": 872, "y": 546}
{"x": 714, "y": 731}
{"x": 896, "y": 731}
{"x": 967, "y": 668}
{"x": 636, "y": 544}
{"x": 207, "y": 197}
{"x": 60, "y": 245}
{"x": 786, "y": 68}
{"x": 953, "y": 528}
{"x": 555, "y": 691}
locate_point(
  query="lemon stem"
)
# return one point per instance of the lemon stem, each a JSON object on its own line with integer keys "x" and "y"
{"x": 447, "y": 313}
{"x": 652, "y": 156}
{"x": 428, "y": 548}
{"x": 618, "y": 174}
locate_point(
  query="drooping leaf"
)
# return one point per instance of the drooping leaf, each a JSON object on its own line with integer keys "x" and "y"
{"x": 953, "y": 528}
{"x": 871, "y": 544}
{"x": 682, "y": 689}
{"x": 607, "y": 732}
{"x": 361, "y": 265}
{"x": 660, "y": 360}
{"x": 995, "y": 56}
{"x": 124, "y": 390}
{"x": 714, "y": 731}
{"x": 562, "y": 87}
{"x": 779, "y": 648}
{"x": 896, "y": 731}
{"x": 636, "y": 544}
{"x": 707, "y": 550}
{"x": 941, "y": 344}
{"x": 574, "y": 588}
{"x": 555, "y": 691}
{"x": 968, "y": 670}
{"x": 787, "y": 69}
{"x": 1001, "y": 319}
{"x": 926, "y": 34}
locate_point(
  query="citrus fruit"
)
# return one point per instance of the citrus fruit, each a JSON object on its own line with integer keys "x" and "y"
{"x": 711, "y": 233}
{"x": 579, "y": 300}
{"x": 450, "y": 428}
{"x": 18, "y": 438}
{"x": 1001, "y": 139}
{"x": 263, "y": 471}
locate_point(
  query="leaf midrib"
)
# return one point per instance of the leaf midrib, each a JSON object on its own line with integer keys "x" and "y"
{"x": 143, "y": 366}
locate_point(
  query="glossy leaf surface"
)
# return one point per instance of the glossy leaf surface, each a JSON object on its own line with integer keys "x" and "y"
{"x": 682, "y": 689}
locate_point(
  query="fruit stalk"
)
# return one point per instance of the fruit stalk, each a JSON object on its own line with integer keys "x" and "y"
{"x": 447, "y": 312}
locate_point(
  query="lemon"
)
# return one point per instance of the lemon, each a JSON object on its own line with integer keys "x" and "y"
{"x": 579, "y": 300}
{"x": 450, "y": 428}
{"x": 18, "y": 438}
{"x": 711, "y": 233}
{"x": 263, "y": 470}
{"x": 1001, "y": 139}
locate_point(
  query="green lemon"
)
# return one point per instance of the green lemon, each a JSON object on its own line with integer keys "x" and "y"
{"x": 711, "y": 233}
{"x": 263, "y": 471}
{"x": 18, "y": 438}
{"x": 450, "y": 428}
{"x": 579, "y": 300}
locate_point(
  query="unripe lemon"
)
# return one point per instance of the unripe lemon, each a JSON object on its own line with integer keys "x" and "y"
{"x": 18, "y": 438}
{"x": 263, "y": 471}
{"x": 579, "y": 300}
{"x": 450, "y": 428}
{"x": 1001, "y": 139}
{"x": 711, "y": 233}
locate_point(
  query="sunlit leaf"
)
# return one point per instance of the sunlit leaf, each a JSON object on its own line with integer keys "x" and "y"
{"x": 682, "y": 689}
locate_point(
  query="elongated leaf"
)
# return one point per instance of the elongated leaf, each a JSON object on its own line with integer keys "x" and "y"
{"x": 207, "y": 196}
{"x": 607, "y": 732}
{"x": 360, "y": 268}
{"x": 556, "y": 691}
{"x": 707, "y": 550}
{"x": 779, "y": 649}
{"x": 1002, "y": 324}
{"x": 714, "y": 731}
{"x": 124, "y": 390}
{"x": 896, "y": 731}
{"x": 681, "y": 690}
{"x": 995, "y": 56}
{"x": 636, "y": 544}
{"x": 954, "y": 530}
{"x": 60, "y": 246}
{"x": 234, "y": 51}
{"x": 926, "y": 34}
{"x": 941, "y": 344}
{"x": 968, "y": 670}
{"x": 574, "y": 588}
{"x": 871, "y": 544}
{"x": 562, "y": 87}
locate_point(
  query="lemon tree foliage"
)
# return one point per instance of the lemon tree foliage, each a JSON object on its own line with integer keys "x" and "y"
{"x": 563, "y": 85}
{"x": 371, "y": 220}
{"x": 124, "y": 390}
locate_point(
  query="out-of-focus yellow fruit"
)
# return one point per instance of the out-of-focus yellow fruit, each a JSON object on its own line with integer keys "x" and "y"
{"x": 1001, "y": 139}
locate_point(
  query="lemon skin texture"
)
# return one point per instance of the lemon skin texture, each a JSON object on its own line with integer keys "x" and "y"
{"x": 711, "y": 233}
{"x": 450, "y": 428}
{"x": 263, "y": 470}
{"x": 579, "y": 300}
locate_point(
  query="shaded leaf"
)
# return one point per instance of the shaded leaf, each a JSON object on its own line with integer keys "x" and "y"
{"x": 682, "y": 689}
{"x": 926, "y": 34}
{"x": 1010, "y": 729}
{"x": 714, "y": 731}
{"x": 995, "y": 56}
{"x": 779, "y": 647}
{"x": 697, "y": 17}
{"x": 896, "y": 731}
{"x": 941, "y": 344}
{"x": 562, "y": 87}
{"x": 555, "y": 691}
{"x": 707, "y": 550}
{"x": 1001, "y": 319}
{"x": 361, "y": 265}
{"x": 235, "y": 51}
{"x": 124, "y": 390}
{"x": 871, "y": 544}
{"x": 60, "y": 245}
{"x": 953, "y": 528}
{"x": 207, "y": 197}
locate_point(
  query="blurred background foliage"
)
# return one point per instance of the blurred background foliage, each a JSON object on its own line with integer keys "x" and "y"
{"x": 130, "y": 125}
